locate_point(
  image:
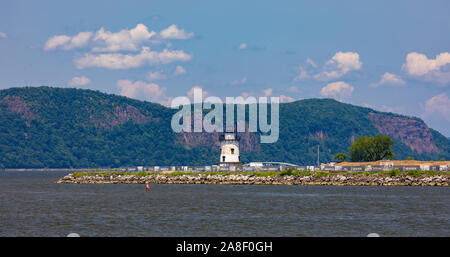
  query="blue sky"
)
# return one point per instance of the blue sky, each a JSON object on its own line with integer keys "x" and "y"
{"x": 387, "y": 55}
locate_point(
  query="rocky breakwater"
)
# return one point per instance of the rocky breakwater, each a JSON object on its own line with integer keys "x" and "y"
{"x": 340, "y": 179}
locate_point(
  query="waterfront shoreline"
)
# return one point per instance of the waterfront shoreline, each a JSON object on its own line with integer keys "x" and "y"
{"x": 340, "y": 179}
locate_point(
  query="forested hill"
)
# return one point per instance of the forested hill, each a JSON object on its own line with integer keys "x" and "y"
{"x": 61, "y": 127}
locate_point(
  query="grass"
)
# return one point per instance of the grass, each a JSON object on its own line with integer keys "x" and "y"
{"x": 111, "y": 173}
{"x": 319, "y": 174}
{"x": 366, "y": 173}
{"x": 416, "y": 173}
{"x": 222, "y": 173}
{"x": 264, "y": 173}
{"x": 287, "y": 172}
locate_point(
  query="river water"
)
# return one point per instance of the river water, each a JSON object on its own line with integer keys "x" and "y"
{"x": 31, "y": 204}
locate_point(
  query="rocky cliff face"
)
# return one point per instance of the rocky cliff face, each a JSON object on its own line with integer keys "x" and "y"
{"x": 413, "y": 133}
{"x": 121, "y": 115}
{"x": 17, "y": 105}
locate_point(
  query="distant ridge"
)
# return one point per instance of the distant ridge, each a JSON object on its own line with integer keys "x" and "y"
{"x": 65, "y": 127}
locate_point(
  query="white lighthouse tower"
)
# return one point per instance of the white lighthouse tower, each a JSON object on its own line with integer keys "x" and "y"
{"x": 229, "y": 149}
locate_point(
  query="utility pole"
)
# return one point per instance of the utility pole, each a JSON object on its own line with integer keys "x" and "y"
{"x": 318, "y": 162}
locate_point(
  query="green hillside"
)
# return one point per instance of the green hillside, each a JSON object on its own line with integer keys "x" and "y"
{"x": 61, "y": 127}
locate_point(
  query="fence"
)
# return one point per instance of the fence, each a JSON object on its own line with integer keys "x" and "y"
{"x": 212, "y": 168}
{"x": 267, "y": 168}
{"x": 367, "y": 168}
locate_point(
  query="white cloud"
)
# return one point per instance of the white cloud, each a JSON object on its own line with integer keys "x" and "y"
{"x": 67, "y": 43}
{"x": 56, "y": 41}
{"x": 286, "y": 99}
{"x": 124, "y": 40}
{"x": 80, "y": 40}
{"x": 311, "y": 62}
{"x": 179, "y": 70}
{"x": 79, "y": 81}
{"x": 389, "y": 79}
{"x": 367, "y": 105}
{"x": 303, "y": 74}
{"x": 242, "y": 46}
{"x": 143, "y": 91}
{"x": 245, "y": 94}
{"x": 193, "y": 90}
{"x": 438, "y": 106}
{"x": 340, "y": 64}
{"x": 338, "y": 90}
{"x": 3, "y": 35}
{"x": 419, "y": 65}
{"x": 433, "y": 70}
{"x": 386, "y": 108}
{"x": 126, "y": 61}
{"x": 396, "y": 109}
{"x": 156, "y": 75}
{"x": 267, "y": 92}
{"x": 172, "y": 32}
{"x": 239, "y": 82}
{"x": 346, "y": 61}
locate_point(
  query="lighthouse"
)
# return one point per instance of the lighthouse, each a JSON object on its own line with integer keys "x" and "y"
{"x": 229, "y": 149}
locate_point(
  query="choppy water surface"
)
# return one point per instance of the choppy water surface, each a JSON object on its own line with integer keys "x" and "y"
{"x": 31, "y": 204}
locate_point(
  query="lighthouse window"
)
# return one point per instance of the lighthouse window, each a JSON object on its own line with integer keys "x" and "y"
{"x": 232, "y": 150}
{"x": 223, "y": 158}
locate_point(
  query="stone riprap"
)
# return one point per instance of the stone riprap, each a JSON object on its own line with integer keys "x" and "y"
{"x": 342, "y": 179}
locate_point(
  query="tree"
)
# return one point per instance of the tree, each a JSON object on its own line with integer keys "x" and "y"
{"x": 410, "y": 158}
{"x": 372, "y": 149}
{"x": 340, "y": 157}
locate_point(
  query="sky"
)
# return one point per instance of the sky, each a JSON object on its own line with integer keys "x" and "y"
{"x": 391, "y": 56}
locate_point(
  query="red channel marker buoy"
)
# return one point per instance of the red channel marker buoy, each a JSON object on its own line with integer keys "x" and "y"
{"x": 147, "y": 187}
